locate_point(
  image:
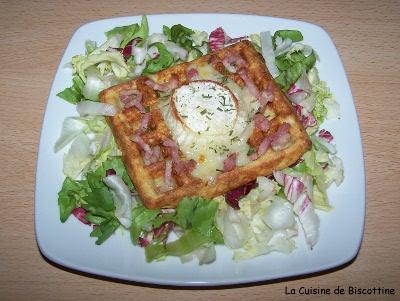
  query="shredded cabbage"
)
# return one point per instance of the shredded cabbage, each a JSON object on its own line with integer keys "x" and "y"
{"x": 325, "y": 106}
{"x": 92, "y": 144}
{"x": 247, "y": 230}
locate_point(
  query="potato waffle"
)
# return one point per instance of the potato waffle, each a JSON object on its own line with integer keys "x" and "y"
{"x": 148, "y": 178}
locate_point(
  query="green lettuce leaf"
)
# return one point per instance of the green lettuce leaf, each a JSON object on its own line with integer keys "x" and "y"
{"x": 195, "y": 42}
{"x": 187, "y": 243}
{"x": 142, "y": 220}
{"x": 99, "y": 202}
{"x": 294, "y": 35}
{"x": 164, "y": 60}
{"x": 130, "y": 32}
{"x": 70, "y": 196}
{"x": 182, "y": 36}
{"x": 195, "y": 215}
{"x": 105, "y": 230}
{"x": 95, "y": 197}
{"x": 292, "y": 67}
{"x": 73, "y": 94}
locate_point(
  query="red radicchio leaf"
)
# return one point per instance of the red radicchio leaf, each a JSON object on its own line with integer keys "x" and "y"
{"x": 143, "y": 242}
{"x": 325, "y": 135}
{"x": 110, "y": 172}
{"x": 127, "y": 50}
{"x": 164, "y": 229}
{"x": 80, "y": 214}
{"x": 232, "y": 197}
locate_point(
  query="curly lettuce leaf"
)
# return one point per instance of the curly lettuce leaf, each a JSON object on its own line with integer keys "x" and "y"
{"x": 325, "y": 106}
{"x": 114, "y": 59}
{"x": 130, "y": 32}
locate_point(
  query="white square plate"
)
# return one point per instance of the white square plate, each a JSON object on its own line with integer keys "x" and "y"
{"x": 341, "y": 230}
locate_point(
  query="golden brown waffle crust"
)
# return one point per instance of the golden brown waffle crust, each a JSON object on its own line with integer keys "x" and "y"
{"x": 124, "y": 123}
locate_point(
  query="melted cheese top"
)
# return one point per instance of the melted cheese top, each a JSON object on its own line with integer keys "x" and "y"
{"x": 209, "y": 119}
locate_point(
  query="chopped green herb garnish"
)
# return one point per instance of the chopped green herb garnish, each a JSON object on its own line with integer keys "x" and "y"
{"x": 235, "y": 139}
{"x": 251, "y": 151}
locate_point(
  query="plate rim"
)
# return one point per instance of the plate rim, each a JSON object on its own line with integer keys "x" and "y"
{"x": 166, "y": 282}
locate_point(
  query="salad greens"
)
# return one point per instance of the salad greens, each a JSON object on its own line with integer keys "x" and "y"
{"x": 95, "y": 197}
{"x": 73, "y": 94}
{"x": 163, "y": 61}
{"x": 130, "y": 32}
{"x": 196, "y": 218}
{"x": 98, "y": 190}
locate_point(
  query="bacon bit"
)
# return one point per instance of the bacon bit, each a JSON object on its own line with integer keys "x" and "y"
{"x": 307, "y": 119}
{"x": 153, "y": 156}
{"x": 216, "y": 40}
{"x": 243, "y": 73}
{"x": 232, "y": 197}
{"x": 264, "y": 145}
{"x": 281, "y": 138}
{"x": 132, "y": 98}
{"x": 261, "y": 122}
{"x": 192, "y": 73}
{"x": 144, "y": 123}
{"x": 233, "y": 62}
{"x": 264, "y": 97}
{"x": 139, "y": 140}
{"x": 184, "y": 166}
{"x": 165, "y": 87}
{"x": 179, "y": 165}
{"x": 326, "y": 135}
{"x": 80, "y": 214}
{"x": 170, "y": 143}
{"x": 230, "y": 162}
{"x": 253, "y": 156}
{"x": 168, "y": 173}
